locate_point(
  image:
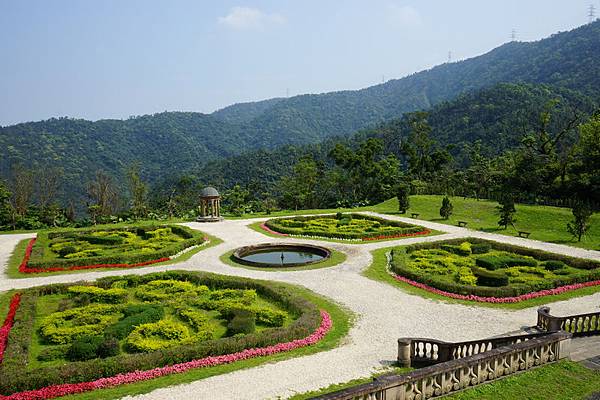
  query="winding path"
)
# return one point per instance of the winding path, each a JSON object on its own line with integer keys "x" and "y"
{"x": 383, "y": 312}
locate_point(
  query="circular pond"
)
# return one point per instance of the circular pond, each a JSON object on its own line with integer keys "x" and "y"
{"x": 273, "y": 255}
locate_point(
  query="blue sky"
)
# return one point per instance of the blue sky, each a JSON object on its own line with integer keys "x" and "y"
{"x": 116, "y": 58}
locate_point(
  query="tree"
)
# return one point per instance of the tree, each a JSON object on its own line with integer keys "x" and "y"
{"x": 23, "y": 185}
{"x": 49, "y": 180}
{"x": 507, "y": 211}
{"x": 299, "y": 188}
{"x": 103, "y": 195}
{"x": 582, "y": 211}
{"x": 236, "y": 199}
{"x": 5, "y": 206}
{"x": 447, "y": 208}
{"x": 138, "y": 190}
{"x": 584, "y": 172}
{"x": 402, "y": 194}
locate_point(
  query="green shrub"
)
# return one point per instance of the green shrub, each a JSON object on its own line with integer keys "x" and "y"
{"x": 554, "y": 265}
{"x": 84, "y": 348}
{"x": 108, "y": 348}
{"x": 157, "y": 335}
{"x": 199, "y": 321}
{"x": 133, "y": 316}
{"x": 160, "y": 290}
{"x": 494, "y": 262}
{"x": 96, "y": 294}
{"x": 480, "y": 248}
{"x": 66, "y": 250}
{"x": 113, "y": 240}
{"x": 243, "y": 322}
{"x": 490, "y": 278}
{"x": 465, "y": 276}
{"x": 53, "y": 353}
{"x": 269, "y": 317}
{"x": 65, "y": 326}
{"x": 464, "y": 249}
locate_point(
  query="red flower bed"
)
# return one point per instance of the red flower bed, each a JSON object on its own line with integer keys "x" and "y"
{"x": 266, "y": 228}
{"x": 383, "y": 237}
{"x": 8, "y": 323}
{"x": 513, "y": 299}
{"x": 136, "y": 376}
{"x": 26, "y": 270}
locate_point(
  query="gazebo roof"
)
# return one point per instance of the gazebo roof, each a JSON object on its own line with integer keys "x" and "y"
{"x": 209, "y": 191}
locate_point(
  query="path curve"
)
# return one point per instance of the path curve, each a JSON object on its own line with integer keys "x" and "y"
{"x": 383, "y": 313}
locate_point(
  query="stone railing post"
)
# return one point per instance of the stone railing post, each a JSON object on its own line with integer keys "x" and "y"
{"x": 404, "y": 352}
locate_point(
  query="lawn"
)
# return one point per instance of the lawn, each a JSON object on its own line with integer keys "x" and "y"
{"x": 548, "y": 224}
{"x": 211, "y": 318}
{"x": 378, "y": 271}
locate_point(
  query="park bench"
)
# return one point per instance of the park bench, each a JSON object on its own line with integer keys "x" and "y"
{"x": 462, "y": 223}
{"x": 414, "y": 215}
{"x": 524, "y": 234}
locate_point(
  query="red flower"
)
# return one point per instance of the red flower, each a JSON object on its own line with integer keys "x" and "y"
{"x": 8, "y": 323}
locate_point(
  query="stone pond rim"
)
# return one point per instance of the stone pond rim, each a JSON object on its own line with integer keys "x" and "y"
{"x": 239, "y": 254}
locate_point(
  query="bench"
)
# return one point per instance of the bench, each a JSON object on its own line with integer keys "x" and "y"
{"x": 462, "y": 223}
{"x": 414, "y": 215}
{"x": 524, "y": 234}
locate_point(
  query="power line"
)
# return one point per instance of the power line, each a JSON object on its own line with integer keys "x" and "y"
{"x": 513, "y": 35}
{"x": 592, "y": 12}
{"x": 449, "y": 56}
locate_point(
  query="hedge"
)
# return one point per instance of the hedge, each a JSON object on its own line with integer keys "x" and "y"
{"x": 14, "y": 378}
{"x": 37, "y": 260}
{"x": 590, "y": 270}
{"x": 402, "y": 228}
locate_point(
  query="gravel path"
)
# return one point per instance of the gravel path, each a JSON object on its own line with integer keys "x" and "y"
{"x": 383, "y": 313}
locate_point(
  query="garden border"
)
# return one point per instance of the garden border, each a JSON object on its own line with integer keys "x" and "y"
{"x": 8, "y": 323}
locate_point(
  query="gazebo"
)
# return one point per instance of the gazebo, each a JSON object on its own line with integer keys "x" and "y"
{"x": 210, "y": 205}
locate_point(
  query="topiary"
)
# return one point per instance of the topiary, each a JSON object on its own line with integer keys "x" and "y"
{"x": 554, "y": 265}
{"x": 84, "y": 348}
{"x": 243, "y": 322}
{"x": 490, "y": 278}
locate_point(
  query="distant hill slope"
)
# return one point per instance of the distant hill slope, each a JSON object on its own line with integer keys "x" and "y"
{"x": 496, "y": 116}
{"x": 174, "y": 142}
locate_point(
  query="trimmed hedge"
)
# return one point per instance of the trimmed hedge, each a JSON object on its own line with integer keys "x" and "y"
{"x": 590, "y": 270}
{"x": 37, "y": 260}
{"x": 14, "y": 378}
{"x": 401, "y": 227}
{"x": 495, "y": 262}
{"x": 490, "y": 278}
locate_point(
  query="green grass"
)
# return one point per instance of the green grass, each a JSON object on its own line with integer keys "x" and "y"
{"x": 548, "y": 224}
{"x": 5, "y": 298}
{"x": 18, "y": 253}
{"x": 342, "y": 321}
{"x": 565, "y": 380}
{"x": 377, "y": 271}
{"x": 256, "y": 226}
{"x": 336, "y": 258}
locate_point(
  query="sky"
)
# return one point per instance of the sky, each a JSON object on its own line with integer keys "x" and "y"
{"x": 120, "y": 58}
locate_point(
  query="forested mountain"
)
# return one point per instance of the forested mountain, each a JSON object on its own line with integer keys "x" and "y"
{"x": 497, "y": 117}
{"x": 174, "y": 142}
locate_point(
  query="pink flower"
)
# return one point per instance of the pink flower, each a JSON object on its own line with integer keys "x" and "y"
{"x": 50, "y": 392}
{"x": 482, "y": 299}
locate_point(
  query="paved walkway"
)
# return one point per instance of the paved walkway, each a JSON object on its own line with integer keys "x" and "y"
{"x": 382, "y": 313}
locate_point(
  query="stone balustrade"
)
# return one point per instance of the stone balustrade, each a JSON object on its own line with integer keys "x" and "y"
{"x": 460, "y": 373}
{"x": 578, "y": 325}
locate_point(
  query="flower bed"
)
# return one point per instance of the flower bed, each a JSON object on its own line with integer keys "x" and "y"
{"x": 8, "y": 323}
{"x": 57, "y": 251}
{"x": 486, "y": 271}
{"x": 353, "y": 227}
{"x": 124, "y": 329}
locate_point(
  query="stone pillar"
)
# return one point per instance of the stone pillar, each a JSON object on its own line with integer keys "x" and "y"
{"x": 404, "y": 352}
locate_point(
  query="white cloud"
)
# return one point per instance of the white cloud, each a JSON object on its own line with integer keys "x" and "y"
{"x": 242, "y": 18}
{"x": 404, "y": 16}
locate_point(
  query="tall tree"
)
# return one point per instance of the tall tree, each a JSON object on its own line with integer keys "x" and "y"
{"x": 584, "y": 172}
{"x": 23, "y": 185}
{"x": 447, "y": 208}
{"x": 582, "y": 212}
{"x": 403, "y": 196}
{"x": 102, "y": 193}
{"x": 299, "y": 188}
{"x": 507, "y": 211}
{"x": 138, "y": 190}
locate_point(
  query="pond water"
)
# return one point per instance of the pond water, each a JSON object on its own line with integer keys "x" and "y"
{"x": 282, "y": 257}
